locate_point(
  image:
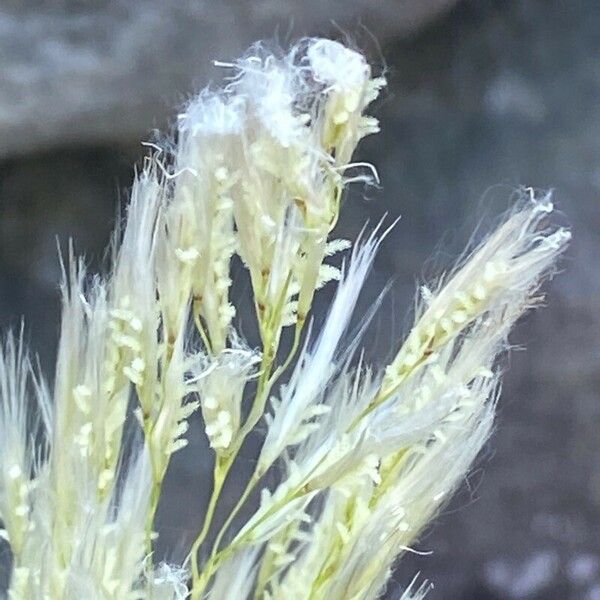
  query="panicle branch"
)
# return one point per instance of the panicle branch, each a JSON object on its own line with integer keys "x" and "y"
{"x": 362, "y": 458}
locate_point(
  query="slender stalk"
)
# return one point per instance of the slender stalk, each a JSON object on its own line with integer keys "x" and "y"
{"x": 234, "y": 512}
{"x": 217, "y": 558}
{"x": 255, "y": 478}
{"x": 219, "y": 475}
{"x": 200, "y": 580}
{"x": 155, "y": 490}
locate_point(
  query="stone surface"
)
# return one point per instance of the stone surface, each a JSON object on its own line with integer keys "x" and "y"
{"x": 78, "y": 72}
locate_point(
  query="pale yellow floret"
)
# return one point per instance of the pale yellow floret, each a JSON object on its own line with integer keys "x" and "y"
{"x": 361, "y": 459}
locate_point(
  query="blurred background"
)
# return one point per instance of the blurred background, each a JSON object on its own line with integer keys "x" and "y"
{"x": 484, "y": 95}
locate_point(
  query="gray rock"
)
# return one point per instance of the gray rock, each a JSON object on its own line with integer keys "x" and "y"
{"x": 87, "y": 72}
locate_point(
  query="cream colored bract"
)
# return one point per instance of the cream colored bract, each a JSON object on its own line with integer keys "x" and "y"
{"x": 362, "y": 456}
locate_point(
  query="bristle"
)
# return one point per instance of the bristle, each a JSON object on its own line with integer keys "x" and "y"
{"x": 356, "y": 459}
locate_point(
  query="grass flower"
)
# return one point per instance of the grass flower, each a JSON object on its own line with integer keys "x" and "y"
{"x": 356, "y": 459}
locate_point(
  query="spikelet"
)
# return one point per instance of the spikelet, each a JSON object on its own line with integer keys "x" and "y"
{"x": 356, "y": 460}
{"x": 21, "y": 390}
{"x": 416, "y": 436}
{"x": 220, "y": 382}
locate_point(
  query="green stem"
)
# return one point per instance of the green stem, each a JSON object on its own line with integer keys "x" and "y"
{"x": 255, "y": 478}
{"x": 200, "y": 580}
{"x": 221, "y": 470}
{"x": 265, "y": 383}
{"x": 234, "y": 512}
{"x": 154, "y": 498}
{"x": 219, "y": 474}
{"x": 156, "y": 487}
{"x": 217, "y": 558}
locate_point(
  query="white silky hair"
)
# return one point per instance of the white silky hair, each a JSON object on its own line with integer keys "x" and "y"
{"x": 235, "y": 579}
{"x": 438, "y": 417}
{"x": 317, "y": 363}
{"x": 25, "y": 413}
{"x": 356, "y": 459}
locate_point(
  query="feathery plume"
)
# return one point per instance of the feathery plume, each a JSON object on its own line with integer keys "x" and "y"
{"x": 356, "y": 459}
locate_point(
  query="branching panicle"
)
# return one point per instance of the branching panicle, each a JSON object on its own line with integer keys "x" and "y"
{"x": 356, "y": 460}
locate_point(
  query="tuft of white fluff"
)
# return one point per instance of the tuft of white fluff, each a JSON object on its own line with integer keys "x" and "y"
{"x": 335, "y": 65}
{"x": 356, "y": 459}
{"x": 212, "y": 114}
{"x": 167, "y": 582}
